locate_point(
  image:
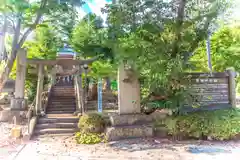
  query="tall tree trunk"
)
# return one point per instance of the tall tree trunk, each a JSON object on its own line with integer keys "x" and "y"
{"x": 17, "y": 42}
{"x": 7, "y": 69}
{"x": 2, "y": 45}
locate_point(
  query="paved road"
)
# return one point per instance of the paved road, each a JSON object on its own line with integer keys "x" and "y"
{"x": 137, "y": 149}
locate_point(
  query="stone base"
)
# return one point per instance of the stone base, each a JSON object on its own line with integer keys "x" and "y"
{"x": 124, "y": 132}
{"x": 129, "y": 119}
{"x": 77, "y": 113}
{"x": 129, "y": 126}
{"x": 31, "y": 126}
{"x": 8, "y": 115}
{"x": 18, "y": 104}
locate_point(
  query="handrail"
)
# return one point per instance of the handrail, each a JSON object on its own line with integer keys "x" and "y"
{"x": 78, "y": 91}
{"x": 45, "y": 97}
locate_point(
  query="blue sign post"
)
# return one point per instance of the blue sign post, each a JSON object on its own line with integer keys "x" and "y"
{"x": 100, "y": 95}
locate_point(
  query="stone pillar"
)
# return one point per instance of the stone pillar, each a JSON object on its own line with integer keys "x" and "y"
{"x": 232, "y": 87}
{"x": 19, "y": 103}
{"x": 39, "y": 89}
{"x": 128, "y": 94}
{"x": 129, "y": 122}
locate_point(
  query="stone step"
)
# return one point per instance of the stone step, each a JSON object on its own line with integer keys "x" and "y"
{"x": 60, "y": 112}
{"x": 51, "y": 136}
{"x": 64, "y": 94}
{"x": 64, "y": 89}
{"x": 57, "y": 120}
{"x": 61, "y": 106}
{"x": 56, "y": 125}
{"x": 60, "y": 116}
{"x": 62, "y": 99}
{"x": 62, "y": 102}
{"x": 61, "y": 109}
{"x": 55, "y": 131}
{"x": 132, "y": 131}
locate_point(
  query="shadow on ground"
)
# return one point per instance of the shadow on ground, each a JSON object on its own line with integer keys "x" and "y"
{"x": 192, "y": 147}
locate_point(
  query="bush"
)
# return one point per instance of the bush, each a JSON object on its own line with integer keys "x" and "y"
{"x": 92, "y": 123}
{"x": 89, "y": 138}
{"x": 218, "y": 125}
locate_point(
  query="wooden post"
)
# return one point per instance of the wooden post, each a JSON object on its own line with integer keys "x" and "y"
{"x": 39, "y": 89}
{"x": 232, "y": 87}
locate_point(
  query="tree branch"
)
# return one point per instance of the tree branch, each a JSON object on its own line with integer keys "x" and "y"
{"x": 201, "y": 34}
{"x": 179, "y": 25}
{"x": 36, "y": 22}
{"x": 13, "y": 24}
{"x": 87, "y": 61}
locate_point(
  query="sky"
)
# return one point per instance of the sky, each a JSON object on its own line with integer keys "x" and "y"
{"x": 96, "y": 5}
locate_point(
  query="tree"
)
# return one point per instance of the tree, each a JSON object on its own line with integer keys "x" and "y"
{"x": 225, "y": 52}
{"x": 89, "y": 38}
{"x": 157, "y": 38}
{"x": 44, "y": 46}
{"x": 26, "y": 16}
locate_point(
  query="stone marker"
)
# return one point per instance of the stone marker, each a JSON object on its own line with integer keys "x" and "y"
{"x": 128, "y": 122}
{"x": 128, "y": 93}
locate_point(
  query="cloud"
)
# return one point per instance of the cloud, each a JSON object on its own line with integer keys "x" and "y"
{"x": 94, "y": 6}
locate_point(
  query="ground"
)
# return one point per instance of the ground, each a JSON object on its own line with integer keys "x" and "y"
{"x": 65, "y": 148}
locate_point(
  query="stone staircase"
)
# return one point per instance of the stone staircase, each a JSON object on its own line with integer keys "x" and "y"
{"x": 59, "y": 117}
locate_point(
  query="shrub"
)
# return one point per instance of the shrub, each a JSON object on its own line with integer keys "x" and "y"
{"x": 89, "y": 138}
{"x": 219, "y": 124}
{"x": 92, "y": 123}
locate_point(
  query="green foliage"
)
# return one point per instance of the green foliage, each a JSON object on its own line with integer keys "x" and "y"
{"x": 92, "y": 123}
{"x": 157, "y": 41}
{"x": 90, "y": 39}
{"x": 44, "y": 46}
{"x": 225, "y": 45}
{"x": 88, "y": 138}
{"x": 219, "y": 124}
{"x": 102, "y": 69}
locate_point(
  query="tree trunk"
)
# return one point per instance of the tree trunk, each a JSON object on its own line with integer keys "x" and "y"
{"x": 7, "y": 69}
{"x": 17, "y": 43}
{"x": 2, "y": 45}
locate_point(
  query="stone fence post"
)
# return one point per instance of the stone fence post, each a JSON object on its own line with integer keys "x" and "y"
{"x": 232, "y": 87}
